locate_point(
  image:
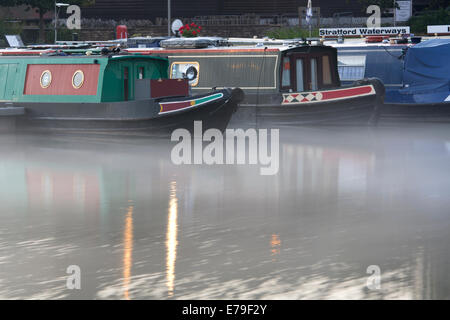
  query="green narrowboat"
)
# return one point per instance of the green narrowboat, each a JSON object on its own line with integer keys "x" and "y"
{"x": 105, "y": 92}
{"x": 284, "y": 85}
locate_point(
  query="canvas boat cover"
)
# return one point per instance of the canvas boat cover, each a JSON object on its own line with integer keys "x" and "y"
{"x": 193, "y": 43}
{"x": 427, "y": 69}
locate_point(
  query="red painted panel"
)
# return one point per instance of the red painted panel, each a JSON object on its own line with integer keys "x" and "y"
{"x": 166, "y": 107}
{"x": 61, "y": 79}
{"x": 346, "y": 92}
{"x": 169, "y": 87}
{"x": 164, "y": 51}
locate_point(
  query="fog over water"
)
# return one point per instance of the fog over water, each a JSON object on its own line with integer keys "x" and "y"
{"x": 139, "y": 226}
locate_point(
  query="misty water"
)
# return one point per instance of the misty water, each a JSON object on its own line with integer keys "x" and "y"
{"x": 140, "y": 227}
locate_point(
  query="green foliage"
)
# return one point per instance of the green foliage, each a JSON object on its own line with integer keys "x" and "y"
{"x": 438, "y": 4}
{"x": 291, "y": 33}
{"x": 419, "y": 23}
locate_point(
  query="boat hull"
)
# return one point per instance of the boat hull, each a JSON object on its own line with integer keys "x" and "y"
{"x": 414, "y": 113}
{"x": 146, "y": 116}
{"x": 357, "y": 110}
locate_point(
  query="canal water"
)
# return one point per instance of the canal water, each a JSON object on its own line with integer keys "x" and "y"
{"x": 345, "y": 202}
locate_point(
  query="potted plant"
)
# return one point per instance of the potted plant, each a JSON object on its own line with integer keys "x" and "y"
{"x": 190, "y": 30}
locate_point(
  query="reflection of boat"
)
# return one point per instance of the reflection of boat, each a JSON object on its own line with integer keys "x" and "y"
{"x": 284, "y": 85}
{"x": 106, "y": 92}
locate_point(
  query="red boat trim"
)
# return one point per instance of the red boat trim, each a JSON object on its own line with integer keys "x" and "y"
{"x": 146, "y": 51}
{"x": 327, "y": 95}
{"x": 173, "y": 106}
{"x": 20, "y": 53}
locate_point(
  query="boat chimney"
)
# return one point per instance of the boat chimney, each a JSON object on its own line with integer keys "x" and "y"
{"x": 121, "y": 32}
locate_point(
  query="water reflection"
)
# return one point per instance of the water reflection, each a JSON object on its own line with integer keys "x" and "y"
{"x": 275, "y": 244}
{"x": 342, "y": 200}
{"x": 128, "y": 251}
{"x": 55, "y": 188}
{"x": 171, "y": 238}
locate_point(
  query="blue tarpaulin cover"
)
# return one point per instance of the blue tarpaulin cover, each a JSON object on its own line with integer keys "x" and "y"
{"x": 427, "y": 68}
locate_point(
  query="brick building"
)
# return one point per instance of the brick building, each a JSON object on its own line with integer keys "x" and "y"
{"x": 150, "y": 9}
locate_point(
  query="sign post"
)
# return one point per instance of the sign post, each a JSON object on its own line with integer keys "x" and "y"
{"x": 168, "y": 17}
{"x": 309, "y": 15}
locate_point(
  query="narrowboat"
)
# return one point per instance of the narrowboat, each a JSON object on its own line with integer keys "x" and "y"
{"x": 426, "y": 74}
{"x": 97, "y": 93}
{"x": 416, "y": 77}
{"x": 284, "y": 85}
{"x": 358, "y": 59}
{"x": 425, "y": 94}
{"x": 400, "y": 66}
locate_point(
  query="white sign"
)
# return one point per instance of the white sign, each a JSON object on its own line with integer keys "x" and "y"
{"x": 438, "y": 29}
{"x": 383, "y": 31}
{"x": 14, "y": 41}
{"x": 404, "y": 12}
{"x": 176, "y": 25}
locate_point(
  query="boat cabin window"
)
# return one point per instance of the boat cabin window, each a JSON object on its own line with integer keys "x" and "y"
{"x": 185, "y": 70}
{"x": 307, "y": 71}
{"x": 299, "y": 74}
{"x": 352, "y": 67}
{"x": 125, "y": 84}
{"x": 326, "y": 71}
{"x": 286, "y": 73}
{"x": 141, "y": 73}
{"x": 313, "y": 84}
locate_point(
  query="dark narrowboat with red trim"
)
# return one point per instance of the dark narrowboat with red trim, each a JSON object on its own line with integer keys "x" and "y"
{"x": 284, "y": 85}
{"x": 96, "y": 93}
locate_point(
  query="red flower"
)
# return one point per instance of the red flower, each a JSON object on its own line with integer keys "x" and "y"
{"x": 192, "y": 24}
{"x": 187, "y": 28}
{"x": 194, "y": 33}
{"x": 199, "y": 28}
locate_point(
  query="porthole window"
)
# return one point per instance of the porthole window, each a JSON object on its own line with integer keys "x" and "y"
{"x": 185, "y": 70}
{"x": 78, "y": 79}
{"x": 46, "y": 79}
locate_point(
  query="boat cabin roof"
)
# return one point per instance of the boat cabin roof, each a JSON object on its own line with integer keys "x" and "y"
{"x": 77, "y": 78}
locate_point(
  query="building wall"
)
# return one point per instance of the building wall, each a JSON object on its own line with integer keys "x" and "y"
{"x": 141, "y": 9}
{"x": 150, "y": 9}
